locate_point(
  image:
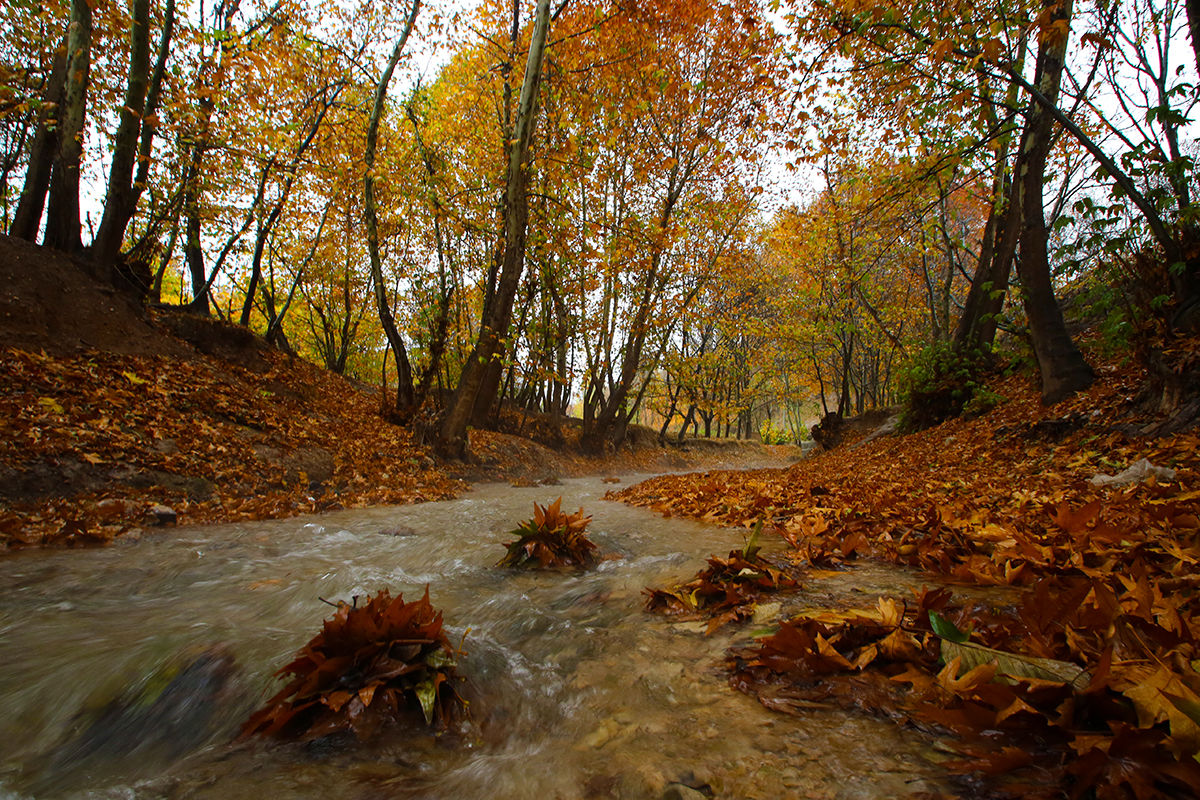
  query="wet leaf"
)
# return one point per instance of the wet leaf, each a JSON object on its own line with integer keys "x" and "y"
{"x": 946, "y": 629}
{"x": 366, "y": 666}
{"x": 1013, "y": 665}
{"x": 551, "y": 540}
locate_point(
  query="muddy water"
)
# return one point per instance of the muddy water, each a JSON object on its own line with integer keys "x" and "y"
{"x": 580, "y": 693}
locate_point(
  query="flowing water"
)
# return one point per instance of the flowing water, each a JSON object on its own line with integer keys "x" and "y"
{"x": 579, "y": 693}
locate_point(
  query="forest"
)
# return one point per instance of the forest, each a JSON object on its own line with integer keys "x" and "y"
{"x": 931, "y": 269}
{"x": 722, "y": 218}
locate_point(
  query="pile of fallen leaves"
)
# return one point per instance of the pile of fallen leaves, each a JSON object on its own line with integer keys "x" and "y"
{"x": 1127, "y": 725}
{"x": 368, "y": 667}
{"x": 726, "y": 591}
{"x": 89, "y": 443}
{"x": 552, "y": 539}
{"x": 1104, "y": 574}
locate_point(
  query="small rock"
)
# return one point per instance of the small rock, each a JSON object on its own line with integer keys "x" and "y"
{"x": 767, "y": 612}
{"x": 1138, "y": 472}
{"x": 112, "y": 508}
{"x": 681, "y": 791}
{"x": 159, "y": 514}
{"x": 131, "y": 536}
{"x": 401, "y": 531}
{"x": 602, "y": 735}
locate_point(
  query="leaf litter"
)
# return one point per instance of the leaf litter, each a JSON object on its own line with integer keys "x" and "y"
{"x": 1085, "y": 684}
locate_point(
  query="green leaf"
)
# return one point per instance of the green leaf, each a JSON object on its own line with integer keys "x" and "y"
{"x": 946, "y": 629}
{"x": 1187, "y": 706}
{"x": 439, "y": 659}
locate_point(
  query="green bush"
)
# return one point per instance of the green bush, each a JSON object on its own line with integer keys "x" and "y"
{"x": 773, "y": 435}
{"x": 941, "y": 383}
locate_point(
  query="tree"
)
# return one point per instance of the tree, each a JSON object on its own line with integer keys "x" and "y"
{"x": 120, "y": 200}
{"x": 1063, "y": 369}
{"x": 63, "y": 228}
{"x": 480, "y": 377}
{"x": 404, "y": 382}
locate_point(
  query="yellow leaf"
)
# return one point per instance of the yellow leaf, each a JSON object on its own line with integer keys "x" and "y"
{"x": 133, "y": 378}
{"x": 51, "y": 405}
{"x": 1150, "y": 695}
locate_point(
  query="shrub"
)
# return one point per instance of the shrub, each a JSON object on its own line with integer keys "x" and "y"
{"x": 773, "y": 435}
{"x": 939, "y": 383}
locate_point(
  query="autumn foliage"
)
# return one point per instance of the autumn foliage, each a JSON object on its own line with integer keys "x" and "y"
{"x": 1081, "y": 675}
{"x": 725, "y": 591}
{"x": 369, "y": 666}
{"x": 551, "y": 539}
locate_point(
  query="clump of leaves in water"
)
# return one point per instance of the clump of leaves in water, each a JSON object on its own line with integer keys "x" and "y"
{"x": 727, "y": 590}
{"x": 369, "y": 665}
{"x": 551, "y": 539}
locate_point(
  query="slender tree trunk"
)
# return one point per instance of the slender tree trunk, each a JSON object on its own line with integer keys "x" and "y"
{"x": 118, "y": 203}
{"x": 63, "y": 229}
{"x": 989, "y": 287}
{"x": 1063, "y": 369}
{"x": 193, "y": 251}
{"x": 28, "y": 217}
{"x": 153, "y": 98}
{"x": 1193, "y": 16}
{"x": 404, "y": 382}
{"x": 472, "y": 391}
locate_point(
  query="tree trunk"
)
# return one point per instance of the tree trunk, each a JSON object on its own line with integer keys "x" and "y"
{"x": 1063, "y": 369}
{"x": 153, "y": 97}
{"x": 404, "y": 382}
{"x": 28, "y": 217}
{"x": 472, "y": 391}
{"x": 1193, "y": 16}
{"x": 985, "y": 300}
{"x": 119, "y": 202}
{"x": 63, "y": 229}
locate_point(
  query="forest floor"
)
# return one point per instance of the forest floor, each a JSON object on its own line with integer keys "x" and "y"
{"x": 1084, "y": 683}
{"x": 112, "y": 420}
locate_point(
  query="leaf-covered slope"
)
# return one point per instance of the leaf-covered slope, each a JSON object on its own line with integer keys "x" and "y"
{"x": 1086, "y": 679}
{"x": 984, "y": 499}
{"x": 89, "y": 442}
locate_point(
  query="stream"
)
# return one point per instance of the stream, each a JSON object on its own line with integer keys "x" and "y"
{"x": 579, "y": 693}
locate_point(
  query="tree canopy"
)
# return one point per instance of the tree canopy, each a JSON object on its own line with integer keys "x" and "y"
{"x": 724, "y": 217}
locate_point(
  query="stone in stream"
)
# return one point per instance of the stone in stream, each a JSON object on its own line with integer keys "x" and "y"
{"x": 681, "y": 791}
{"x": 140, "y": 730}
{"x": 158, "y": 514}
